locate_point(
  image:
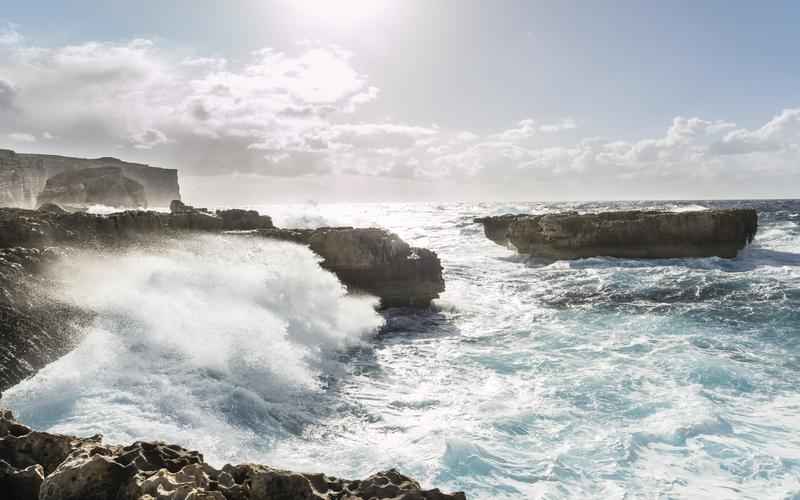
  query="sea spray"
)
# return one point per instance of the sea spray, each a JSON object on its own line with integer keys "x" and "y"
{"x": 197, "y": 340}
{"x": 599, "y": 378}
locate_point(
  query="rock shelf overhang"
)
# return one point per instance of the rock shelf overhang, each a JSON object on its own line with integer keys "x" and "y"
{"x": 632, "y": 234}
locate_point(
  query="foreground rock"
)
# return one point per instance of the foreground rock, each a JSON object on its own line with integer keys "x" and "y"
{"x": 93, "y": 186}
{"x": 373, "y": 260}
{"x": 630, "y": 234}
{"x": 43, "y": 466}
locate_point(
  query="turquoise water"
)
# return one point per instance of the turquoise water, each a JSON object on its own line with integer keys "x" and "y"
{"x": 598, "y": 378}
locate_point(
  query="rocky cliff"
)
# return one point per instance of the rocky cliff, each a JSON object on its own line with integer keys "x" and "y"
{"x": 20, "y": 181}
{"x": 628, "y": 234}
{"x": 43, "y": 466}
{"x": 23, "y": 176}
{"x": 93, "y": 186}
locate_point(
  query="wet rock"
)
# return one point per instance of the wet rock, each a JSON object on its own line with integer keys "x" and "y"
{"x": 20, "y": 484}
{"x": 86, "y": 469}
{"x": 629, "y": 234}
{"x": 241, "y": 220}
{"x": 35, "y": 327}
{"x": 93, "y": 186}
{"x": 373, "y": 260}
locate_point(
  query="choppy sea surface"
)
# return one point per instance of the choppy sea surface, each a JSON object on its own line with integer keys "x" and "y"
{"x": 597, "y": 378}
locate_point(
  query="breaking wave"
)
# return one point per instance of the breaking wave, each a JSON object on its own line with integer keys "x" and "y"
{"x": 208, "y": 341}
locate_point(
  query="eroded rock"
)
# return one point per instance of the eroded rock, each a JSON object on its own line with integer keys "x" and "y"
{"x": 86, "y": 469}
{"x": 629, "y": 234}
{"x": 373, "y": 260}
{"x": 93, "y": 186}
{"x": 20, "y": 484}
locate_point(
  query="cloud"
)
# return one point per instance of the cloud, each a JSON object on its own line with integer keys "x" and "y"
{"x": 21, "y": 137}
{"x": 148, "y": 139}
{"x": 527, "y": 128}
{"x": 7, "y": 95}
{"x": 299, "y": 113}
{"x": 9, "y": 35}
{"x": 565, "y": 124}
{"x": 782, "y": 132}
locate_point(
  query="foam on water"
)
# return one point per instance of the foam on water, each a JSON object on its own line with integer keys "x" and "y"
{"x": 598, "y": 378}
{"x": 194, "y": 339}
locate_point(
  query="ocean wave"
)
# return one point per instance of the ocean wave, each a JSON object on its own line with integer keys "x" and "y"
{"x": 210, "y": 336}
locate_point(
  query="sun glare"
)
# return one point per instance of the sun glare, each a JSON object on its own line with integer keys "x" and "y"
{"x": 341, "y": 13}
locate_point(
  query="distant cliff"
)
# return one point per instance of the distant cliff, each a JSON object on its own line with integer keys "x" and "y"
{"x": 23, "y": 176}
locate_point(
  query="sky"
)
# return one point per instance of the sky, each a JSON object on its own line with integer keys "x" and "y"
{"x": 259, "y": 101}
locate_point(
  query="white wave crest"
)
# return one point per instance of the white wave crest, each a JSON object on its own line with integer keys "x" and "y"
{"x": 192, "y": 338}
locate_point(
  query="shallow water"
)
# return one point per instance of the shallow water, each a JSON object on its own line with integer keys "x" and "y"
{"x": 598, "y": 378}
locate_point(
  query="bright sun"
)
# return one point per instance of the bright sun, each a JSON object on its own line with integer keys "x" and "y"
{"x": 341, "y": 13}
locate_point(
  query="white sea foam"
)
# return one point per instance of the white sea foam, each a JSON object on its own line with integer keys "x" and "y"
{"x": 187, "y": 330}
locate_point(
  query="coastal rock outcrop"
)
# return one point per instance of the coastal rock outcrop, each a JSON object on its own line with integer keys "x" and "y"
{"x": 626, "y": 234}
{"x": 44, "y": 466}
{"x": 233, "y": 219}
{"x": 93, "y": 186}
{"x": 373, "y": 260}
{"x": 23, "y": 177}
{"x": 35, "y": 328}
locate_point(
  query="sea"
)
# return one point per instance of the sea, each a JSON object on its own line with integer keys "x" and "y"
{"x": 594, "y": 378}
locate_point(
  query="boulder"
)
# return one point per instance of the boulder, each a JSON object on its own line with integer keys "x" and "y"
{"x": 627, "y": 234}
{"x": 75, "y": 468}
{"x": 373, "y": 260}
{"x": 93, "y": 186}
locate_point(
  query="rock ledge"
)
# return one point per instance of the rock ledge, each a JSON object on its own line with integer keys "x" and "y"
{"x": 630, "y": 234}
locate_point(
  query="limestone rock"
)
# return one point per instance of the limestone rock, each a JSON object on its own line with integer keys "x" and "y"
{"x": 373, "y": 260}
{"x": 20, "y": 484}
{"x": 628, "y": 234}
{"x": 242, "y": 220}
{"x": 93, "y": 186}
{"x": 23, "y": 176}
{"x": 86, "y": 469}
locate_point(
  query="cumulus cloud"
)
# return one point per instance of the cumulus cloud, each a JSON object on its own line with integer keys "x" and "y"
{"x": 298, "y": 113}
{"x": 21, "y": 137}
{"x": 527, "y": 128}
{"x": 782, "y": 132}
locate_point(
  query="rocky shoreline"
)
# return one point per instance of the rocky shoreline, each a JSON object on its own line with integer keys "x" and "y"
{"x": 634, "y": 234}
{"x": 43, "y": 466}
{"x": 37, "y": 329}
